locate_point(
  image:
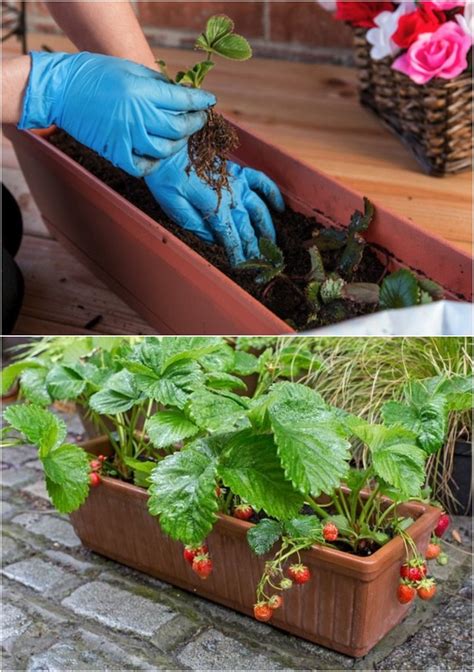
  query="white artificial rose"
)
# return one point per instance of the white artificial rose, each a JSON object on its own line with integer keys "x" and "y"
{"x": 467, "y": 21}
{"x": 386, "y": 25}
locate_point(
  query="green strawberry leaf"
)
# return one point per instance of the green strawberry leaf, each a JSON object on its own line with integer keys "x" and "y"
{"x": 244, "y": 363}
{"x": 428, "y": 421}
{"x": 262, "y": 536}
{"x": 459, "y": 391}
{"x": 120, "y": 394}
{"x": 305, "y": 527}
{"x": 219, "y": 380}
{"x": 234, "y": 47}
{"x": 39, "y": 426}
{"x": 216, "y": 412}
{"x": 65, "y": 382}
{"x": 182, "y": 492}
{"x": 312, "y": 445}
{"x": 399, "y": 290}
{"x": 395, "y": 457}
{"x": 169, "y": 427}
{"x": 249, "y": 465}
{"x": 141, "y": 471}
{"x": 33, "y": 386}
{"x": 217, "y": 27}
{"x": 13, "y": 371}
{"x": 67, "y": 477}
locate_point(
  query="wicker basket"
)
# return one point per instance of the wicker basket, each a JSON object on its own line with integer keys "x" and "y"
{"x": 433, "y": 120}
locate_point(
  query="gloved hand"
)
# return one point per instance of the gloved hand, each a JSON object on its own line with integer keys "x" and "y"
{"x": 242, "y": 217}
{"x": 126, "y": 112}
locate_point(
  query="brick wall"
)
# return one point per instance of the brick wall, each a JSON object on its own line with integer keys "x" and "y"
{"x": 292, "y": 30}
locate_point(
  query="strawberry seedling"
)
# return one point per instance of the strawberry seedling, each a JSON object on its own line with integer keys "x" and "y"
{"x": 210, "y": 148}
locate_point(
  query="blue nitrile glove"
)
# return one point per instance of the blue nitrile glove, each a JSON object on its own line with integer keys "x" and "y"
{"x": 129, "y": 114}
{"x": 242, "y": 217}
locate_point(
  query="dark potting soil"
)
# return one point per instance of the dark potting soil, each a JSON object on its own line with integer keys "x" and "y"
{"x": 293, "y": 230}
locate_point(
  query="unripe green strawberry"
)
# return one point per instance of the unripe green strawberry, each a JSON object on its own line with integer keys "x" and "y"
{"x": 286, "y": 584}
{"x": 442, "y": 559}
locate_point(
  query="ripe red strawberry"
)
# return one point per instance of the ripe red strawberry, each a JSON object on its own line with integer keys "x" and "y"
{"x": 96, "y": 465}
{"x": 190, "y": 552}
{"x": 330, "y": 532}
{"x": 443, "y": 524}
{"x": 94, "y": 479}
{"x": 405, "y": 592}
{"x": 413, "y": 570}
{"x": 433, "y": 551}
{"x": 275, "y": 601}
{"x": 299, "y": 573}
{"x": 262, "y": 611}
{"x": 426, "y": 589}
{"x": 202, "y": 565}
{"x": 243, "y": 512}
{"x": 102, "y": 458}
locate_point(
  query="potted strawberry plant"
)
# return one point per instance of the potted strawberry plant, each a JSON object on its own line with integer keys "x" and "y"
{"x": 112, "y": 224}
{"x": 248, "y": 501}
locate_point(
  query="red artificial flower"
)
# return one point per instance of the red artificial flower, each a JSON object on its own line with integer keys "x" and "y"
{"x": 361, "y": 14}
{"x": 410, "y": 26}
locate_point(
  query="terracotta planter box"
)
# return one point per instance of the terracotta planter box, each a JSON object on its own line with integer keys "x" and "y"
{"x": 169, "y": 284}
{"x": 349, "y": 605}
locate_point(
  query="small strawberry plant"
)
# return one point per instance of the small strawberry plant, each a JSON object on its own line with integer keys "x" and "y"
{"x": 210, "y": 148}
{"x": 328, "y": 287}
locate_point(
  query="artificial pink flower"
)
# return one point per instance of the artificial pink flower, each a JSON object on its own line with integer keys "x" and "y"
{"x": 439, "y": 54}
{"x": 443, "y": 5}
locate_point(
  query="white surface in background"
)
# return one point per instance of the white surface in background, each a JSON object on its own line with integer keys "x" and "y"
{"x": 442, "y": 318}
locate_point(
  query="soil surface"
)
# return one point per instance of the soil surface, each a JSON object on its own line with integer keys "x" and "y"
{"x": 293, "y": 231}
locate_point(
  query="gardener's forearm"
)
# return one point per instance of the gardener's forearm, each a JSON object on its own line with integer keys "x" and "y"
{"x": 104, "y": 28}
{"x": 15, "y": 74}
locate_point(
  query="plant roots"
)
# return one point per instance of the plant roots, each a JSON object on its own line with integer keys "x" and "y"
{"x": 209, "y": 150}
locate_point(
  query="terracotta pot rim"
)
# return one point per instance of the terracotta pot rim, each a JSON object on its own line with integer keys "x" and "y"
{"x": 366, "y": 567}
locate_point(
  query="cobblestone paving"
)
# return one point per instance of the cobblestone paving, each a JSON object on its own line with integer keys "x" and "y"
{"x": 66, "y": 609}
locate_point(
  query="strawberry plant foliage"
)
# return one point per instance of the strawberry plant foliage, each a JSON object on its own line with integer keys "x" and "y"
{"x": 182, "y": 492}
{"x": 66, "y": 466}
{"x": 426, "y": 408}
{"x": 335, "y": 256}
{"x": 169, "y": 427}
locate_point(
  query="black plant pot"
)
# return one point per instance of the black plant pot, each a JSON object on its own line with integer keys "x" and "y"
{"x": 461, "y": 478}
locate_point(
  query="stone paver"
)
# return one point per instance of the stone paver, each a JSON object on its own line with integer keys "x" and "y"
{"x": 11, "y": 551}
{"x": 37, "y": 489}
{"x": 49, "y": 526}
{"x": 118, "y": 609}
{"x": 35, "y": 573}
{"x": 13, "y": 622}
{"x": 60, "y": 657}
{"x": 13, "y": 477}
{"x": 34, "y": 464}
{"x": 17, "y": 455}
{"x": 444, "y": 644}
{"x": 213, "y": 651}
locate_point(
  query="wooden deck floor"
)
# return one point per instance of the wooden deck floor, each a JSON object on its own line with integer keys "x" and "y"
{"x": 308, "y": 110}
